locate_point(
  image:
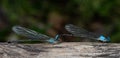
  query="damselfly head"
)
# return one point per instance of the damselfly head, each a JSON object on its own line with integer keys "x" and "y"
{"x": 57, "y": 37}
{"x": 104, "y": 39}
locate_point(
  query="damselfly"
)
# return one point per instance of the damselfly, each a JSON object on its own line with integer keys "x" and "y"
{"x": 80, "y": 32}
{"x": 33, "y": 35}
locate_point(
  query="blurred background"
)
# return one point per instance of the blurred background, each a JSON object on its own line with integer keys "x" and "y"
{"x": 50, "y": 16}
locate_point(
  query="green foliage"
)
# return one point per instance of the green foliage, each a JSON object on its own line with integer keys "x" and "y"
{"x": 31, "y": 12}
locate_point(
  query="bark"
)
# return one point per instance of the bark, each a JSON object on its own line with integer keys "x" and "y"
{"x": 62, "y": 50}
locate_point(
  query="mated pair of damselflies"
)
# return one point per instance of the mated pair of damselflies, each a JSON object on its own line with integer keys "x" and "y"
{"x": 74, "y": 30}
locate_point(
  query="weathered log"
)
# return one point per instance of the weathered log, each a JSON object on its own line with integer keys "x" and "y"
{"x": 62, "y": 50}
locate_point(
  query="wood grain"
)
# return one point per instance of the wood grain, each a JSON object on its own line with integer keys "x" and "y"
{"x": 62, "y": 50}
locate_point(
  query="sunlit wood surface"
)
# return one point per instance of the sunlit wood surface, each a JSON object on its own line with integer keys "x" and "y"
{"x": 61, "y": 50}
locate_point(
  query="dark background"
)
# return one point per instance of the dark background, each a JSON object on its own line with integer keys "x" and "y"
{"x": 50, "y": 16}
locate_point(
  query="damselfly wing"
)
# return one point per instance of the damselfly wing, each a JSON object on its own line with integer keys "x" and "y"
{"x": 80, "y": 32}
{"x": 32, "y": 34}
